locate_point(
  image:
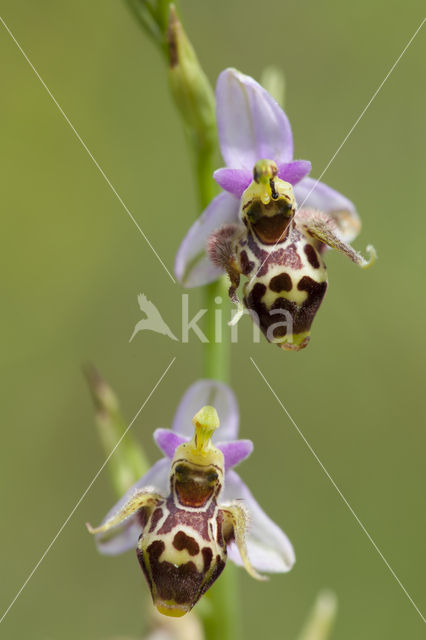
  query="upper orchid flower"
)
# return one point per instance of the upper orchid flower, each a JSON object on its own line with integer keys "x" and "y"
{"x": 253, "y": 127}
{"x": 256, "y": 229}
{"x": 191, "y": 510}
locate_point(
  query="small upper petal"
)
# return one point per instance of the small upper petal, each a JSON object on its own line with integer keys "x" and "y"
{"x": 251, "y": 124}
{"x": 192, "y": 266}
{"x": 268, "y": 547}
{"x": 235, "y": 181}
{"x": 208, "y": 392}
{"x": 124, "y": 536}
{"x": 235, "y": 452}
{"x": 168, "y": 441}
{"x": 295, "y": 171}
{"x": 311, "y": 194}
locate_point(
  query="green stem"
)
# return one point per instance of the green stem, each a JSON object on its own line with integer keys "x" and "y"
{"x": 216, "y": 350}
{"x": 222, "y": 619}
{"x": 204, "y": 164}
{"x": 194, "y": 99}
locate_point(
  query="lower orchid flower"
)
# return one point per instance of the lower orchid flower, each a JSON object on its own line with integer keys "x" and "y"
{"x": 191, "y": 511}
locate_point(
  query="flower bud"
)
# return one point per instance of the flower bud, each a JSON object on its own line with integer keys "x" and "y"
{"x": 190, "y": 87}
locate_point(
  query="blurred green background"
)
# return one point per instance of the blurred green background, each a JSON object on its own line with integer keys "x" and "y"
{"x": 72, "y": 264}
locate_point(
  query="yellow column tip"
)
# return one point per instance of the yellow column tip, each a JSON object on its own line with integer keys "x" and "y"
{"x": 206, "y": 418}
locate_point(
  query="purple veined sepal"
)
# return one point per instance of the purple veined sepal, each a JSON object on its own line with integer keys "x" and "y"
{"x": 269, "y": 549}
{"x": 235, "y": 451}
{"x": 235, "y": 181}
{"x": 294, "y": 172}
{"x": 211, "y": 392}
{"x": 168, "y": 441}
{"x": 251, "y": 124}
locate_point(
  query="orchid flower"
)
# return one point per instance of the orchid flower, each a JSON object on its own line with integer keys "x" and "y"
{"x": 252, "y": 127}
{"x": 191, "y": 510}
{"x": 271, "y": 224}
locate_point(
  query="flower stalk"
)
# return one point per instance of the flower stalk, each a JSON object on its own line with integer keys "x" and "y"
{"x": 221, "y": 617}
{"x": 194, "y": 99}
{"x": 222, "y": 620}
{"x": 216, "y": 350}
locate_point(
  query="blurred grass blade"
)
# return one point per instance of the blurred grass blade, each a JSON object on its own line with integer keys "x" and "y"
{"x": 321, "y": 619}
{"x": 129, "y": 462}
{"x": 273, "y": 80}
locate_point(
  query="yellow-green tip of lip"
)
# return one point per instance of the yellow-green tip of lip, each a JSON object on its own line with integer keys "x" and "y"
{"x": 173, "y": 611}
{"x": 205, "y": 421}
